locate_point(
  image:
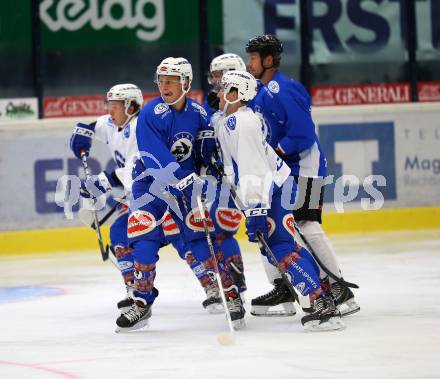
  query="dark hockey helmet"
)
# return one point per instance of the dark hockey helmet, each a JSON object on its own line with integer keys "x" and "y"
{"x": 265, "y": 45}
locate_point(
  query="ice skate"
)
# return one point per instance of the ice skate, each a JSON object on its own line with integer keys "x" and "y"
{"x": 125, "y": 304}
{"x": 279, "y": 302}
{"x": 344, "y": 300}
{"x": 235, "y": 307}
{"x": 213, "y": 302}
{"x": 135, "y": 318}
{"x": 325, "y": 316}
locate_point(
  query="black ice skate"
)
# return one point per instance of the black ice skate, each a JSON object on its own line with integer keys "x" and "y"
{"x": 344, "y": 299}
{"x": 135, "y": 318}
{"x": 213, "y": 302}
{"x": 125, "y": 304}
{"x": 324, "y": 317}
{"x": 235, "y": 307}
{"x": 279, "y": 302}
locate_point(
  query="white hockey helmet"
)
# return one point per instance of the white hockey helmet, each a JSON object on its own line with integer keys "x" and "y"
{"x": 175, "y": 66}
{"x": 225, "y": 62}
{"x": 243, "y": 81}
{"x": 127, "y": 93}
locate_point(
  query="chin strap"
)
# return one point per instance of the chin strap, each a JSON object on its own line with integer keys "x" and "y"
{"x": 184, "y": 92}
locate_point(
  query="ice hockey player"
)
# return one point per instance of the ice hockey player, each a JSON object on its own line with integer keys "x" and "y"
{"x": 286, "y": 109}
{"x": 164, "y": 180}
{"x": 259, "y": 190}
{"x": 219, "y": 65}
{"x": 117, "y": 130}
{"x": 225, "y": 216}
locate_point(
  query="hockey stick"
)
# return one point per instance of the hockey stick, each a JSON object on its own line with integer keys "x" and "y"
{"x": 261, "y": 241}
{"x": 341, "y": 281}
{"x": 84, "y": 214}
{"x": 224, "y": 339}
{"x": 104, "y": 252}
{"x": 110, "y": 212}
{"x": 324, "y": 268}
{"x": 263, "y": 244}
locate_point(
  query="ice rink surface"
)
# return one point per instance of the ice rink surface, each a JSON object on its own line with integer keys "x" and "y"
{"x": 58, "y": 316}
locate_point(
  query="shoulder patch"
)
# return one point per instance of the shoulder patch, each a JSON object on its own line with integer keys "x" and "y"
{"x": 231, "y": 123}
{"x": 200, "y": 109}
{"x": 273, "y": 86}
{"x": 161, "y": 108}
{"x": 127, "y": 131}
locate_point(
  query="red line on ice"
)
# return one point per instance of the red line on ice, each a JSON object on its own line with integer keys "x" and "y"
{"x": 45, "y": 369}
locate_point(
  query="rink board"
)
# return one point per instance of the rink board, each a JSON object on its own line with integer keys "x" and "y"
{"x": 398, "y": 143}
{"x": 76, "y": 239}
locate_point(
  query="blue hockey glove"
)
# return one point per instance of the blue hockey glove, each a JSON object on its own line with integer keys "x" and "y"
{"x": 97, "y": 185}
{"x": 256, "y": 219}
{"x": 139, "y": 171}
{"x": 189, "y": 187}
{"x": 206, "y": 145}
{"x": 81, "y": 138}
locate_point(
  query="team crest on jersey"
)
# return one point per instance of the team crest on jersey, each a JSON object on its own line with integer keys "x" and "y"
{"x": 127, "y": 131}
{"x": 169, "y": 226}
{"x": 270, "y": 226}
{"x": 181, "y": 147}
{"x": 200, "y": 109}
{"x": 231, "y": 122}
{"x": 195, "y": 223}
{"x": 161, "y": 108}
{"x": 228, "y": 219}
{"x": 140, "y": 222}
{"x": 273, "y": 86}
{"x": 289, "y": 224}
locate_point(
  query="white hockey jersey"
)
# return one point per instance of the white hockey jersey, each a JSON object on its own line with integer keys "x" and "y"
{"x": 249, "y": 161}
{"x": 122, "y": 145}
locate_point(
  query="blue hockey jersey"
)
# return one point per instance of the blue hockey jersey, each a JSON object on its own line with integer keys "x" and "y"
{"x": 166, "y": 138}
{"x": 285, "y": 108}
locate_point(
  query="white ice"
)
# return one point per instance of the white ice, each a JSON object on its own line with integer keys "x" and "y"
{"x": 395, "y": 335}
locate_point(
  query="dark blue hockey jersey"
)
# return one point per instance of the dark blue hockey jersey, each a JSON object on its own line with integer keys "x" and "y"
{"x": 285, "y": 107}
{"x": 166, "y": 138}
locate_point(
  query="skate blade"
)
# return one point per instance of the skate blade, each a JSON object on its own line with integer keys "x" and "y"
{"x": 348, "y": 308}
{"x": 238, "y": 324}
{"x": 335, "y": 323}
{"x": 287, "y": 310}
{"x": 141, "y": 324}
{"x": 215, "y": 309}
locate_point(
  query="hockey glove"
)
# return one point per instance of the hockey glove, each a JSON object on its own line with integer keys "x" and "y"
{"x": 189, "y": 188}
{"x": 256, "y": 219}
{"x": 213, "y": 100}
{"x": 139, "y": 171}
{"x": 81, "y": 138}
{"x": 97, "y": 185}
{"x": 206, "y": 145}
